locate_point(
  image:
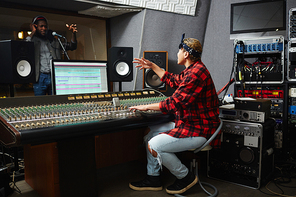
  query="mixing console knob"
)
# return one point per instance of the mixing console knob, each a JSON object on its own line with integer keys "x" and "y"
{"x": 22, "y": 125}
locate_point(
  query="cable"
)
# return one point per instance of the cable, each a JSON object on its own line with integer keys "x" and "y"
{"x": 230, "y": 78}
{"x": 286, "y": 171}
{"x": 92, "y": 43}
{"x": 276, "y": 192}
{"x": 140, "y": 48}
{"x": 155, "y": 91}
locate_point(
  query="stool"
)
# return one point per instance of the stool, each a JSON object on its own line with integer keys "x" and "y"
{"x": 194, "y": 165}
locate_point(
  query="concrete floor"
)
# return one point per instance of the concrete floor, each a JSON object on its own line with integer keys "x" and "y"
{"x": 114, "y": 180}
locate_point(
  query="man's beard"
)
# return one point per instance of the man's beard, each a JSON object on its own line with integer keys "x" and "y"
{"x": 39, "y": 35}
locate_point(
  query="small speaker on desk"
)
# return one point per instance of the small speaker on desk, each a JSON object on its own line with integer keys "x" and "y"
{"x": 17, "y": 62}
{"x": 120, "y": 64}
{"x": 151, "y": 79}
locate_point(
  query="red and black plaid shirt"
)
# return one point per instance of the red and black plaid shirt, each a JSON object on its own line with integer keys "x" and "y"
{"x": 194, "y": 103}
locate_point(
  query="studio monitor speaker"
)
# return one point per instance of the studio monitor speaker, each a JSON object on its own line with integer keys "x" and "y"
{"x": 17, "y": 62}
{"x": 120, "y": 64}
{"x": 151, "y": 79}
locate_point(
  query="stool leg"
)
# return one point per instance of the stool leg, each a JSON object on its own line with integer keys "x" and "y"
{"x": 209, "y": 185}
{"x": 194, "y": 169}
{"x": 193, "y": 166}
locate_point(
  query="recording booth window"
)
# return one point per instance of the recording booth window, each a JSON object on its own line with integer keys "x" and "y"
{"x": 91, "y": 39}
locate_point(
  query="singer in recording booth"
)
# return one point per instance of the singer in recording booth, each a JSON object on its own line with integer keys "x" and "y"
{"x": 47, "y": 48}
{"x": 195, "y": 106}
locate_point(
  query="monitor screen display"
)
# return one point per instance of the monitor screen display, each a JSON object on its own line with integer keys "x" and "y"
{"x": 256, "y": 16}
{"x": 79, "y": 77}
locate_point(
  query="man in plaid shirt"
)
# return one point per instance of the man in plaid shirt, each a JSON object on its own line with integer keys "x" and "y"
{"x": 196, "y": 109}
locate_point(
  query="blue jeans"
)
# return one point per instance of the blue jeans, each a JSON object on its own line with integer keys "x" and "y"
{"x": 43, "y": 86}
{"x": 166, "y": 147}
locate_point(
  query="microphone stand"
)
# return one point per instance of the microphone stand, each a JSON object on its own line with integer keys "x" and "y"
{"x": 64, "y": 50}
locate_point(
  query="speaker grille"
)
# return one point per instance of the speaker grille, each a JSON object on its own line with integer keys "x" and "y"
{"x": 151, "y": 79}
{"x": 122, "y": 69}
{"x": 247, "y": 155}
{"x": 23, "y": 68}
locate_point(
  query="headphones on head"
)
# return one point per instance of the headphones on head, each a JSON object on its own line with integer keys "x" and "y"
{"x": 38, "y": 18}
{"x": 190, "y": 50}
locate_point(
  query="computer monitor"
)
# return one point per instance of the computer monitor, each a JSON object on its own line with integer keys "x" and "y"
{"x": 79, "y": 77}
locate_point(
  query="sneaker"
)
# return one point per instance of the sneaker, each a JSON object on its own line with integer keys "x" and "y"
{"x": 151, "y": 183}
{"x": 182, "y": 185}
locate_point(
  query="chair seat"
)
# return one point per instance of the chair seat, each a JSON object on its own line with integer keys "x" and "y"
{"x": 206, "y": 148}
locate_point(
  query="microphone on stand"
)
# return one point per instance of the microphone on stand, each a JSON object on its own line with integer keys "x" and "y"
{"x": 50, "y": 36}
{"x": 58, "y": 35}
{"x": 63, "y": 47}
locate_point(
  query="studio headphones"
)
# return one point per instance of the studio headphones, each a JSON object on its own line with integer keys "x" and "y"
{"x": 38, "y": 18}
{"x": 49, "y": 31}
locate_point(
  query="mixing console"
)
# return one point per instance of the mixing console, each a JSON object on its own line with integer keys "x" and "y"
{"x": 50, "y": 118}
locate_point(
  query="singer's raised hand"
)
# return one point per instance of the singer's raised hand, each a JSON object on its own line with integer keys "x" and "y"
{"x": 33, "y": 28}
{"x": 72, "y": 27}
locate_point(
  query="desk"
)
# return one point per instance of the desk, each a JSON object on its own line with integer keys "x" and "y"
{"x": 68, "y": 168}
